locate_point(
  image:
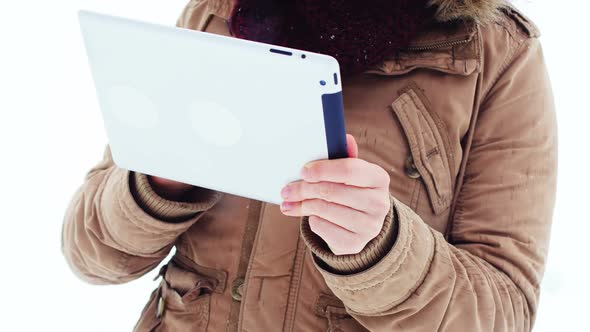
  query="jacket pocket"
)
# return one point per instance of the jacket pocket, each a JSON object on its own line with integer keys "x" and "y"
{"x": 332, "y": 309}
{"x": 430, "y": 155}
{"x": 180, "y": 303}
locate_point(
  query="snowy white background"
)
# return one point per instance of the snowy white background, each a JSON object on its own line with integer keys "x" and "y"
{"x": 51, "y": 134}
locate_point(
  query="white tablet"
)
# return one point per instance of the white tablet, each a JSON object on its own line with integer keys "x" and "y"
{"x": 213, "y": 111}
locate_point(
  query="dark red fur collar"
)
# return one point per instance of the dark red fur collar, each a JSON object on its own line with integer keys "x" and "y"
{"x": 359, "y": 34}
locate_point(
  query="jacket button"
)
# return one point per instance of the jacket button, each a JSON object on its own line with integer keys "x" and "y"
{"x": 410, "y": 168}
{"x": 237, "y": 288}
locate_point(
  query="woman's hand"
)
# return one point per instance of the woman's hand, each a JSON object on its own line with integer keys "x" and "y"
{"x": 346, "y": 200}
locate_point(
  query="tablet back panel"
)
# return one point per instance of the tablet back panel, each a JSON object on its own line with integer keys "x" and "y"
{"x": 217, "y": 112}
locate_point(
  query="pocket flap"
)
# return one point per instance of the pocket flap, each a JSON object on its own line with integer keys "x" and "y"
{"x": 426, "y": 139}
{"x": 217, "y": 277}
{"x": 188, "y": 284}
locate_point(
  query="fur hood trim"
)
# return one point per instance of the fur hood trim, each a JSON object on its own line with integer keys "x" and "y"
{"x": 481, "y": 11}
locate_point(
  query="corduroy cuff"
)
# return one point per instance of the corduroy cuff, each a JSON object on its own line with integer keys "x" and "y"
{"x": 373, "y": 252}
{"x": 195, "y": 200}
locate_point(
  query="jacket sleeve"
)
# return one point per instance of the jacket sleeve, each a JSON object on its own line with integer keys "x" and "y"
{"x": 117, "y": 228}
{"x": 487, "y": 277}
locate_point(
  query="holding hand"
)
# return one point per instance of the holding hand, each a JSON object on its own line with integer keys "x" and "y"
{"x": 346, "y": 200}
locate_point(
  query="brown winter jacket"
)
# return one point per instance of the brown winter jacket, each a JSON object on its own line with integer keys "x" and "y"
{"x": 463, "y": 120}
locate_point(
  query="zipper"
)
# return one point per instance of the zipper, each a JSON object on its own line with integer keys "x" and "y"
{"x": 438, "y": 45}
{"x": 294, "y": 286}
{"x": 249, "y": 242}
{"x": 260, "y": 206}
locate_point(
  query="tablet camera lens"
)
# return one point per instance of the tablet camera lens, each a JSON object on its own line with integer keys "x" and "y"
{"x": 322, "y": 82}
{"x": 303, "y": 56}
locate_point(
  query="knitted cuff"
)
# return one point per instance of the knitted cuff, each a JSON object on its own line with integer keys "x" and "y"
{"x": 195, "y": 200}
{"x": 373, "y": 252}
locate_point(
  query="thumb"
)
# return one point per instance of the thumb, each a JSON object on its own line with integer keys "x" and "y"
{"x": 353, "y": 149}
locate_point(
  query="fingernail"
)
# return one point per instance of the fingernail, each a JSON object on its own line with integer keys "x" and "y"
{"x": 286, "y": 206}
{"x": 285, "y": 192}
{"x": 305, "y": 171}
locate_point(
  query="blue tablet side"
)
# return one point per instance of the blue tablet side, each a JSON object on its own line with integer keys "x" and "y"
{"x": 334, "y": 123}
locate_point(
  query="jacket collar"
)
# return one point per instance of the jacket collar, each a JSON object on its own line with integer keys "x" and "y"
{"x": 453, "y": 48}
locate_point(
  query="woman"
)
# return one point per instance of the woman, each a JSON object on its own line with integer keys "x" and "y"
{"x": 439, "y": 220}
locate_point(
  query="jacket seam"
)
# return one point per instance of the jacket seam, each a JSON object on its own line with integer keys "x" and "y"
{"x": 422, "y": 278}
{"x": 458, "y": 208}
{"x": 519, "y": 19}
{"x": 100, "y": 192}
{"x": 510, "y": 58}
{"x": 459, "y": 203}
{"x": 460, "y": 177}
{"x": 297, "y": 272}
{"x": 303, "y": 257}
{"x": 454, "y": 285}
{"x": 411, "y": 290}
